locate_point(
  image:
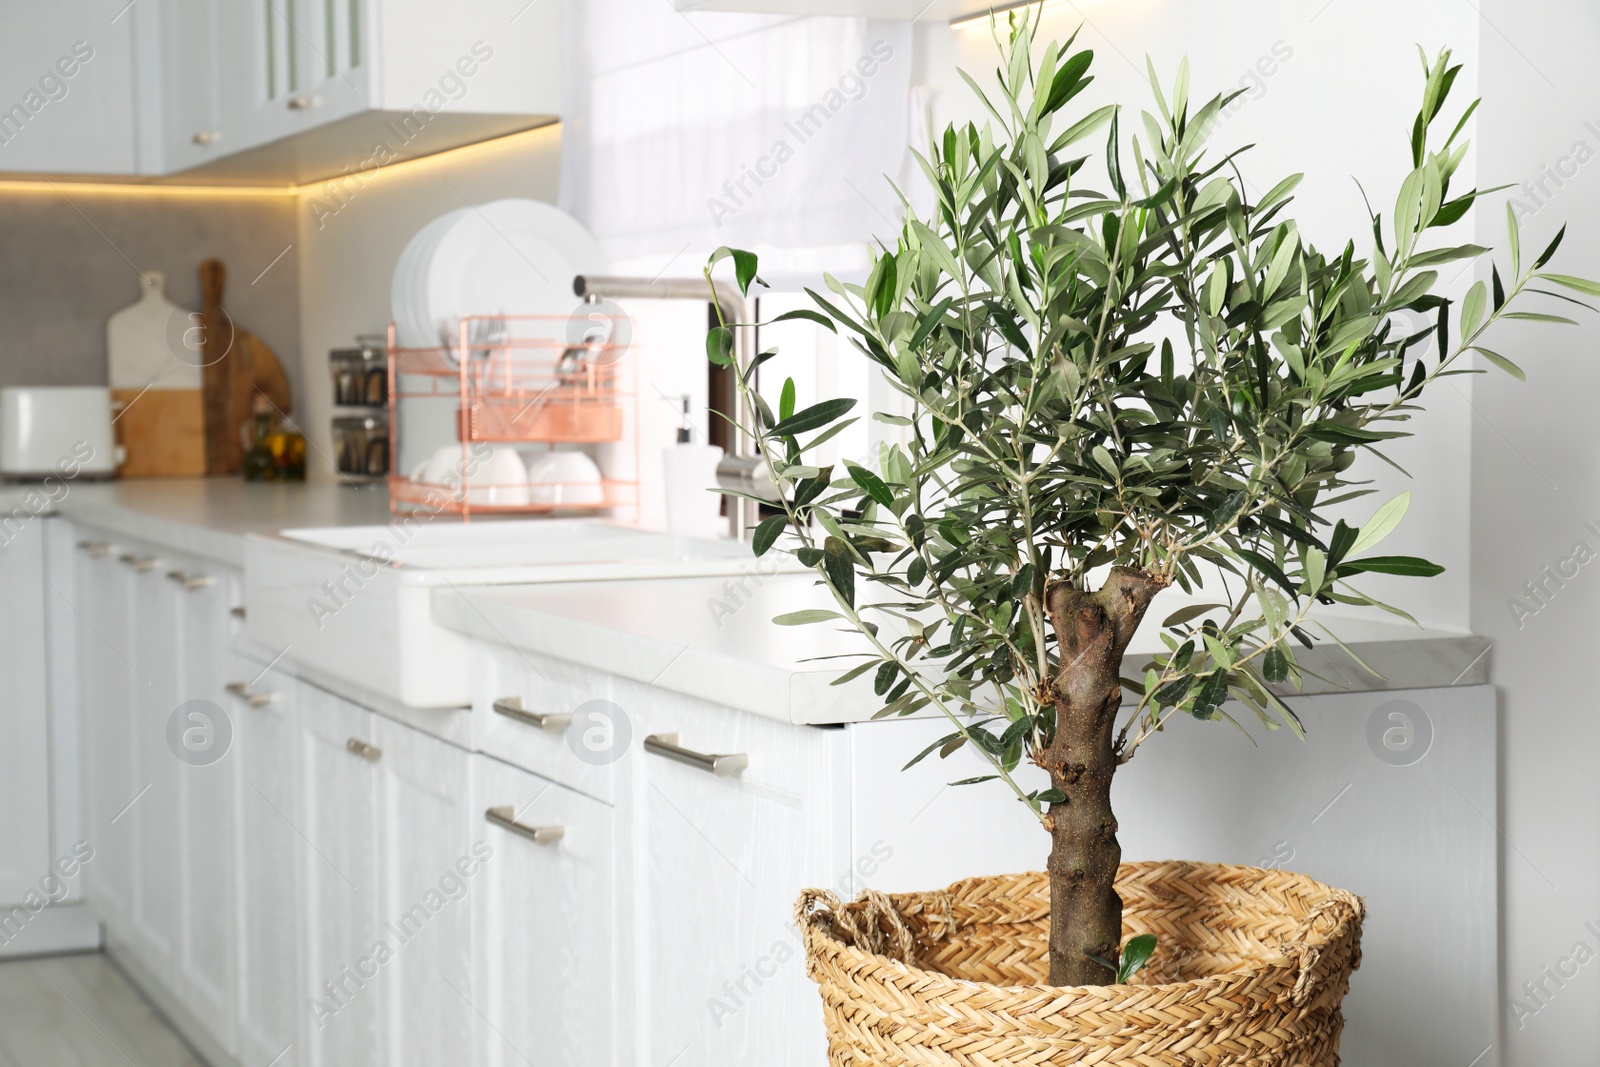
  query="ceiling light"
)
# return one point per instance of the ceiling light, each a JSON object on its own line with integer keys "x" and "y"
{"x": 976, "y": 17}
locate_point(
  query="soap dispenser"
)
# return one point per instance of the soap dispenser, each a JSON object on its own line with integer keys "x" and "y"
{"x": 690, "y": 479}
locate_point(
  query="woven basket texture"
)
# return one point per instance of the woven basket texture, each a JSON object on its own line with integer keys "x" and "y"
{"x": 1250, "y": 969}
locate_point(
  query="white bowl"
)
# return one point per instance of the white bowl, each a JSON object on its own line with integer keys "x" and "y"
{"x": 565, "y": 479}
{"x": 493, "y": 474}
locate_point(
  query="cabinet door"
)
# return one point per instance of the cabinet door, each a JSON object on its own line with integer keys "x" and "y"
{"x": 546, "y": 920}
{"x": 207, "y": 772}
{"x": 269, "y": 1003}
{"x": 157, "y": 814}
{"x": 101, "y": 600}
{"x": 333, "y": 64}
{"x": 303, "y": 64}
{"x": 343, "y": 966}
{"x": 25, "y": 754}
{"x": 67, "y": 88}
{"x": 718, "y": 862}
{"x": 425, "y": 846}
{"x": 255, "y": 88}
{"x": 191, "y": 118}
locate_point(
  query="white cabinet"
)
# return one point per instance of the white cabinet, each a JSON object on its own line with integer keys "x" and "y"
{"x": 384, "y": 912}
{"x": 548, "y": 717}
{"x": 546, "y": 917}
{"x": 161, "y": 776}
{"x": 157, "y": 815}
{"x": 104, "y": 610}
{"x": 331, "y": 74}
{"x": 151, "y": 649}
{"x": 301, "y": 64}
{"x": 355, "y": 83}
{"x": 67, "y": 103}
{"x": 269, "y": 1006}
{"x": 107, "y": 87}
{"x": 338, "y": 919}
{"x": 190, "y": 113}
{"x": 25, "y": 753}
{"x": 717, "y": 864}
{"x": 200, "y": 746}
{"x": 425, "y": 846}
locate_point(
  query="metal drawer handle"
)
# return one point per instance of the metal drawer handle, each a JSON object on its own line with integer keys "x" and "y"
{"x": 205, "y": 137}
{"x": 302, "y": 102}
{"x": 721, "y": 766}
{"x": 370, "y": 753}
{"x": 540, "y": 835}
{"x": 255, "y": 700}
{"x": 237, "y": 611}
{"x": 191, "y": 582}
{"x": 96, "y": 549}
{"x": 553, "y": 722}
{"x": 141, "y": 564}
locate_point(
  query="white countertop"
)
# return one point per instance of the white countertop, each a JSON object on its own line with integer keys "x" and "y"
{"x": 713, "y": 638}
{"x": 209, "y": 517}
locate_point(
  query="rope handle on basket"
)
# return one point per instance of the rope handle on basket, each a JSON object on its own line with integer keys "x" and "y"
{"x": 871, "y": 923}
{"x": 1309, "y": 955}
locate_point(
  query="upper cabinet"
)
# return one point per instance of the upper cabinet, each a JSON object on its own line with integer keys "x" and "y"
{"x": 299, "y": 64}
{"x": 188, "y": 122}
{"x": 66, "y": 80}
{"x": 271, "y": 91}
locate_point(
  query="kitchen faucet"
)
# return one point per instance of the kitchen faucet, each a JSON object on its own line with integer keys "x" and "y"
{"x": 742, "y": 469}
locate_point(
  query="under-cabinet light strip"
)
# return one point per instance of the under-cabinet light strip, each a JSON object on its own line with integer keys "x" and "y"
{"x": 68, "y": 187}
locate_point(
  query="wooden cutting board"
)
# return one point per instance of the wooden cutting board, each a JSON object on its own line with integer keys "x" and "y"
{"x": 237, "y": 366}
{"x": 155, "y": 386}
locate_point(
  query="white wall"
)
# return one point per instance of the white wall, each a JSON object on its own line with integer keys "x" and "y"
{"x": 1535, "y": 486}
{"x": 1332, "y": 91}
{"x": 1507, "y": 474}
{"x": 347, "y": 259}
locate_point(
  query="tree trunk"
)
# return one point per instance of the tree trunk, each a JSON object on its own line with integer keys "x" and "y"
{"x": 1092, "y": 633}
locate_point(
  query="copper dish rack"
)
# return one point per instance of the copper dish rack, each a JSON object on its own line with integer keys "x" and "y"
{"x": 517, "y": 380}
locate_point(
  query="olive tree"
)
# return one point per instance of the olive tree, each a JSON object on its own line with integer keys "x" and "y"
{"x": 1112, "y": 391}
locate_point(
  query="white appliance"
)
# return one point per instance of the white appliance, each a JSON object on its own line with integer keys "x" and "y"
{"x": 56, "y": 431}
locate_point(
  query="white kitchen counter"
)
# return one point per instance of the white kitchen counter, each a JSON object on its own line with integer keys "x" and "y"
{"x": 209, "y": 517}
{"x": 710, "y": 638}
{"x": 713, "y": 638}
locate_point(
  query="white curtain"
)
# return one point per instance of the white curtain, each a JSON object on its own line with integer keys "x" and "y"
{"x": 778, "y": 134}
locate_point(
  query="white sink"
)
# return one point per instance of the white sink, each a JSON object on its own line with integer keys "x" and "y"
{"x": 354, "y": 601}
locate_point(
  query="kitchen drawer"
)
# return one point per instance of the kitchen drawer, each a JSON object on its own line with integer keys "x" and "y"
{"x": 765, "y": 756}
{"x": 549, "y": 717}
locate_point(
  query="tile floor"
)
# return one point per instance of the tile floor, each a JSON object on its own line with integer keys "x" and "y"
{"x": 79, "y": 1011}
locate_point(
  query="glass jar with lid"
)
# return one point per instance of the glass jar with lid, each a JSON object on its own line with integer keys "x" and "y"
{"x": 360, "y": 374}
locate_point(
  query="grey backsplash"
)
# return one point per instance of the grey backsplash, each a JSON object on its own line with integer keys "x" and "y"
{"x": 70, "y": 259}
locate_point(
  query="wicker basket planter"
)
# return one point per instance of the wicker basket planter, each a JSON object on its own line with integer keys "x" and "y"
{"x": 1250, "y": 971}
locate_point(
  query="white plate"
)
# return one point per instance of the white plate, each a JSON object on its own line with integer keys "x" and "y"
{"x": 513, "y": 257}
{"x": 406, "y": 291}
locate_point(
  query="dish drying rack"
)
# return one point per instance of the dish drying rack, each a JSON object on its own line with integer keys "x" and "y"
{"x": 518, "y": 380}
